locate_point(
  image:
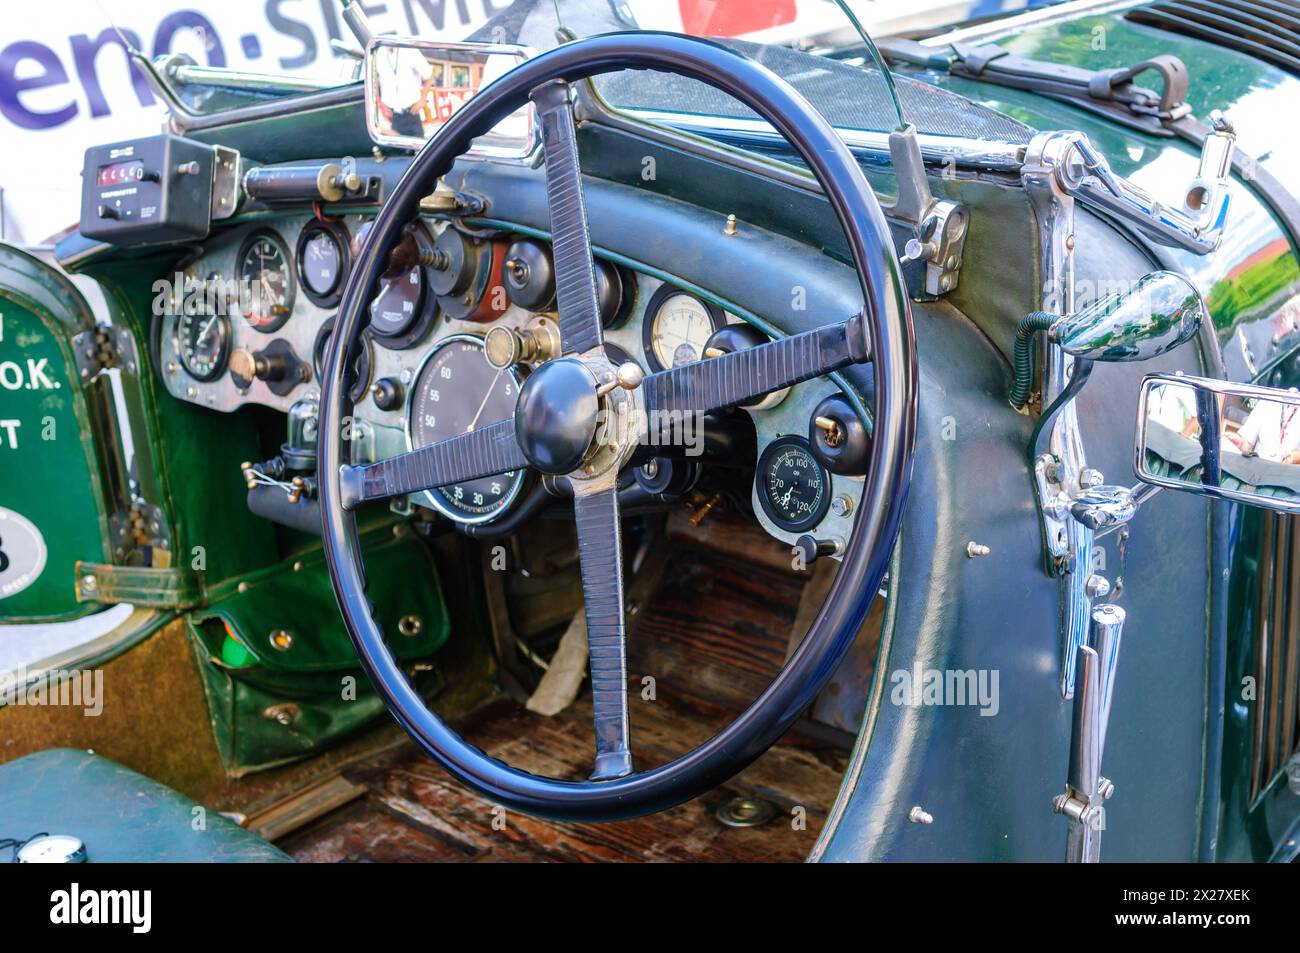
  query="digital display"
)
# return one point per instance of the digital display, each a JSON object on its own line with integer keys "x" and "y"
{"x": 121, "y": 173}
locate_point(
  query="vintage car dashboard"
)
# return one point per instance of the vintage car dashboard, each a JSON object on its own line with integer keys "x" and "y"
{"x": 248, "y": 319}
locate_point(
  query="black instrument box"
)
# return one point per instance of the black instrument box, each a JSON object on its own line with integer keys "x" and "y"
{"x": 146, "y": 191}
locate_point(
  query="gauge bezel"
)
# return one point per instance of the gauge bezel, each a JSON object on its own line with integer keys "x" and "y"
{"x": 360, "y": 386}
{"x": 429, "y": 496}
{"x": 427, "y": 312}
{"x": 223, "y": 358}
{"x": 716, "y": 315}
{"x": 764, "y": 460}
{"x": 291, "y": 277}
{"x": 339, "y": 234}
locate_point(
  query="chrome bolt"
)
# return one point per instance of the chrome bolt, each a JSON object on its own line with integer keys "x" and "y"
{"x": 1097, "y": 586}
{"x": 1088, "y": 478}
{"x": 1105, "y": 787}
{"x": 919, "y": 815}
{"x": 842, "y": 505}
{"x": 974, "y": 549}
{"x": 89, "y": 583}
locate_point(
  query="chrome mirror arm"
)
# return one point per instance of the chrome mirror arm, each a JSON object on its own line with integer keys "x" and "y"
{"x": 1195, "y": 226}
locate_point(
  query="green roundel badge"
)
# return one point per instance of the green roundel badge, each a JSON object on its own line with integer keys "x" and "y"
{"x": 22, "y": 553}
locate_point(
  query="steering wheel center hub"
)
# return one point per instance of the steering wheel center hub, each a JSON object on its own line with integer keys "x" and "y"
{"x": 557, "y": 415}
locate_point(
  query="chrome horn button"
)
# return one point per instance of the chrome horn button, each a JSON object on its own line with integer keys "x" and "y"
{"x": 556, "y": 417}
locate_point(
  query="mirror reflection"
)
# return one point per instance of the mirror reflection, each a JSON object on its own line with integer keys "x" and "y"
{"x": 1232, "y": 440}
{"x": 414, "y": 87}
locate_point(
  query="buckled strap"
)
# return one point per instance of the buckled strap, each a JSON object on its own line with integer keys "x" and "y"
{"x": 1111, "y": 91}
{"x": 172, "y": 588}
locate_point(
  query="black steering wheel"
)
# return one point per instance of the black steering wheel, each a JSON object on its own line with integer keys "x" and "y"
{"x": 580, "y": 416}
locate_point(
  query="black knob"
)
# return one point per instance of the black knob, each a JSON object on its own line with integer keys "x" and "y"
{"x": 813, "y": 549}
{"x": 387, "y": 394}
{"x": 839, "y": 438}
{"x": 107, "y": 211}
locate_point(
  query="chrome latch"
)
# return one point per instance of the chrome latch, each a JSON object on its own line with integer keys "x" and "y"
{"x": 1086, "y": 791}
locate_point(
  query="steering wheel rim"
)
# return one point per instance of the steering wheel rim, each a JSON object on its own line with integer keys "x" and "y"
{"x": 887, "y": 321}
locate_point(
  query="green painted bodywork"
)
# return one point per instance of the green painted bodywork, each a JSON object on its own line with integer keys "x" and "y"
{"x": 1248, "y": 285}
{"x": 40, "y": 313}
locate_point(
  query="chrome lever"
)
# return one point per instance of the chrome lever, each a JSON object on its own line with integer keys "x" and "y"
{"x": 1086, "y": 790}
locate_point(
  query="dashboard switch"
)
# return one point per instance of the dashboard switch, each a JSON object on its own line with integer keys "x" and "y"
{"x": 387, "y": 394}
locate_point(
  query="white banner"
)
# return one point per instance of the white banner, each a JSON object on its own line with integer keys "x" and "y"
{"x": 66, "y": 82}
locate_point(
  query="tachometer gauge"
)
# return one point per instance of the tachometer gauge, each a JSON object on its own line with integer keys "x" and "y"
{"x": 677, "y": 326}
{"x": 323, "y": 261}
{"x": 456, "y": 391}
{"x": 266, "y": 281}
{"x": 793, "y": 488}
{"x": 203, "y": 344}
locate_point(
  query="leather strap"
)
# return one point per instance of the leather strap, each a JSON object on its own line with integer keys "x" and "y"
{"x": 149, "y": 587}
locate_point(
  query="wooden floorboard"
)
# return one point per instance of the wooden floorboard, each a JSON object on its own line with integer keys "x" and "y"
{"x": 712, "y": 634}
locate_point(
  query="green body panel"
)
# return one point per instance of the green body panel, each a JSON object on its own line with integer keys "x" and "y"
{"x": 48, "y": 430}
{"x": 1247, "y": 285}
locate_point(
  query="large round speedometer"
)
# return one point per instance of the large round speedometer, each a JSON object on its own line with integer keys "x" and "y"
{"x": 457, "y": 391}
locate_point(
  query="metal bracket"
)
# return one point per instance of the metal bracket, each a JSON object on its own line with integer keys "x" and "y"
{"x": 939, "y": 225}
{"x": 226, "y": 179}
{"x": 142, "y": 525}
{"x": 104, "y": 347}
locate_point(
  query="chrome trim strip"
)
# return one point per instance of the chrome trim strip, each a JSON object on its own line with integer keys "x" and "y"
{"x": 1003, "y": 25}
{"x": 980, "y": 153}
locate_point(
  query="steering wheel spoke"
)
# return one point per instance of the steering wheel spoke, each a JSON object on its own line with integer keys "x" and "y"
{"x": 600, "y": 550}
{"x": 741, "y": 376}
{"x": 483, "y": 452}
{"x": 575, "y": 273}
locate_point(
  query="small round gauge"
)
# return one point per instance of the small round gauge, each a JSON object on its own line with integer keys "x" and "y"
{"x": 323, "y": 261}
{"x": 203, "y": 344}
{"x": 360, "y": 364}
{"x": 266, "y": 281}
{"x": 456, "y": 391}
{"x": 677, "y": 326}
{"x": 793, "y": 488}
{"x": 397, "y": 307}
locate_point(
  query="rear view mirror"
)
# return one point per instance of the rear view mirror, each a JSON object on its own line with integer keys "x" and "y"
{"x": 413, "y": 87}
{"x": 1232, "y": 441}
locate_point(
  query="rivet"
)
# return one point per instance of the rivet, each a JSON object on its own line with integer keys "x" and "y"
{"x": 410, "y": 625}
{"x": 282, "y": 640}
{"x": 89, "y": 583}
{"x": 919, "y": 815}
{"x": 974, "y": 549}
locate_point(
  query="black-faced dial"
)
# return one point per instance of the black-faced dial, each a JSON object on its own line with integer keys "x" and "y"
{"x": 457, "y": 391}
{"x": 266, "y": 281}
{"x": 203, "y": 344}
{"x": 397, "y": 306}
{"x": 793, "y": 488}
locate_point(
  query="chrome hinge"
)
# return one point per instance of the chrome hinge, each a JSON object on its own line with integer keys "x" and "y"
{"x": 142, "y": 525}
{"x": 939, "y": 225}
{"x": 103, "y": 347}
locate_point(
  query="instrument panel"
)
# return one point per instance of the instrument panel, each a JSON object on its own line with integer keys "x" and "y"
{"x": 248, "y": 322}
